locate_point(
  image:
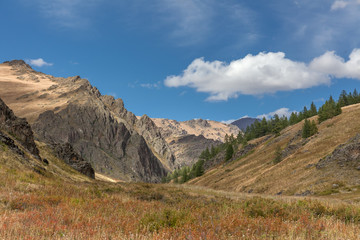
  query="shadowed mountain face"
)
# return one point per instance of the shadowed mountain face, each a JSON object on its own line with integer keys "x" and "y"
{"x": 243, "y": 123}
{"x": 99, "y": 128}
{"x": 17, "y": 127}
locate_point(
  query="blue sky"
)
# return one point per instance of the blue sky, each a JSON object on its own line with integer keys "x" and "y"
{"x": 184, "y": 59}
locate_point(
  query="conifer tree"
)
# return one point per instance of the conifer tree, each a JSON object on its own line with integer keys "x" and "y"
{"x": 229, "y": 152}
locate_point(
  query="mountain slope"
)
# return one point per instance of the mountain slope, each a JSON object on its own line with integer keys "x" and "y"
{"x": 297, "y": 173}
{"x": 70, "y": 110}
{"x": 189, "y": 138}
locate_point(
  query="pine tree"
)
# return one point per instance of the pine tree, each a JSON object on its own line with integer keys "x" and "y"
{"x": 306, "y": 129}
{"x": 313, "y": 128}
{"x": 313, "y": 110}
{"x": 229, "y": 152}
{"x": 293, "y": 118}
{"x": 278, "y": 155}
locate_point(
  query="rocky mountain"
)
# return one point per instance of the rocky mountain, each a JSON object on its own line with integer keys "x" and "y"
{"x": 99, "y": 128}
{"x": 19, "y": 129}
{"x": 326, "y": 163}
{"x": 189, "y": 138}
{"x": 209, "y": 129}
{"x": 243, "y": 123}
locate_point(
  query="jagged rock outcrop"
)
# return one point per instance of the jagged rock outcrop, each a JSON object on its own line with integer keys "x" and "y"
{"x": 66, "y": 152}
{"x": 143, "y": 126}
{"x": 19, "y": 128}
{"x": 107, "y": 144}
{"x": 345, "y": 156}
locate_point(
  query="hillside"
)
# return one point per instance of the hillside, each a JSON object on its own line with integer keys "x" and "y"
{"x": 188, "y": 139}
{"x": 98, "y": 128}
{"x": 42, "y": 197}
{"x": 301, "y": 170}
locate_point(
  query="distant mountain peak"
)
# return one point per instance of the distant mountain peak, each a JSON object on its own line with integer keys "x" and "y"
{"x": 244, "y": 122}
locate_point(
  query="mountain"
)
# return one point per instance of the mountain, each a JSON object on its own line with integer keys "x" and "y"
{"x": 98, "y": 128}
{"x": 188, "y": 139}
{"x": 18, "y": 147}
{"x": 326, "y": 163}
{"x": 243, "y": 123}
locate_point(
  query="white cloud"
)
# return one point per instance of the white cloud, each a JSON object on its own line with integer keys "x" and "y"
{"x": 331, "y": 64}
{"x": 156, "y": 85}
{"x": 263, "y": 74}
{"x": 280, "y": 112}
{"x": 38, "y": 62}
{"x": 251, "y": 75}
{"x": 339, "y": 5}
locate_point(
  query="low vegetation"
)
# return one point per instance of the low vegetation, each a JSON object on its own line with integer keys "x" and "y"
{"x": 36, "y": 207}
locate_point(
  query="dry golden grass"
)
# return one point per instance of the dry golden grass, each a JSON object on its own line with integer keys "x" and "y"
{"x": 36, "y": 207}
{"x": 56, "y": 202}
{"x": 296, "y": 173}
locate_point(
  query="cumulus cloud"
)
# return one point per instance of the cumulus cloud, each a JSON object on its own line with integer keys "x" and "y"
{"x": 251, "y": 75}
{"x": 331, "y": 64}
{"x": 38, "y": 62}
{"x": 263, "y": 74}
{"x": 280, "y": 112}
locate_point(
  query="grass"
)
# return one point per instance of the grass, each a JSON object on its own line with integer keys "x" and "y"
{"x": 257, "y": 173}
{"x": 33, "y": 206}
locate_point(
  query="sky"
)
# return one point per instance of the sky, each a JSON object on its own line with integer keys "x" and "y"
{"x": 186, "y": 59}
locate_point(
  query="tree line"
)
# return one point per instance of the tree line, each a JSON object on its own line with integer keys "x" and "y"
{"x": 264, "y": 127}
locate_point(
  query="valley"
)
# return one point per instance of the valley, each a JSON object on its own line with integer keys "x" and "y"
{"x": 75, "y": 164}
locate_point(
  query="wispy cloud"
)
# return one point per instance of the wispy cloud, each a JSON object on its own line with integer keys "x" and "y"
{"x": 340, "y": 4}
{"x": 156, "y": 85}
{"x": 38, "y": 62}
{"x": 67, "y": 13}
{"x": 263, "y": 73}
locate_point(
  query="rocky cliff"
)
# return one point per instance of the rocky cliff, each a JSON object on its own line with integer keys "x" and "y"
{"x": 100, "y": 129}
{"x": 17, "y": 127}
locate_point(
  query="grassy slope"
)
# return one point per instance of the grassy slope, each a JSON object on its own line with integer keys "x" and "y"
{"x": 33, "y": 206}
{"x": 59, "y": 203}
{"x": 295, "y": 174}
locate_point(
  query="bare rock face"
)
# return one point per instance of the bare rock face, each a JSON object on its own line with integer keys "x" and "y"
{"x": 66, "y": 152}
{"x": 19, "y": 128}
{"x": 107, "y": 144}
{"x": 143, "y": 126}
{"x": 189, "y": 147}
{"x": 345, "y": 156}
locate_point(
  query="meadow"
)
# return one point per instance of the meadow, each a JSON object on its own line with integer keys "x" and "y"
{"x": 37, "y": 206}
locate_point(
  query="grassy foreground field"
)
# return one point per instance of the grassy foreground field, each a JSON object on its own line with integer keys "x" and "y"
{"x": 33, "y": 206}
